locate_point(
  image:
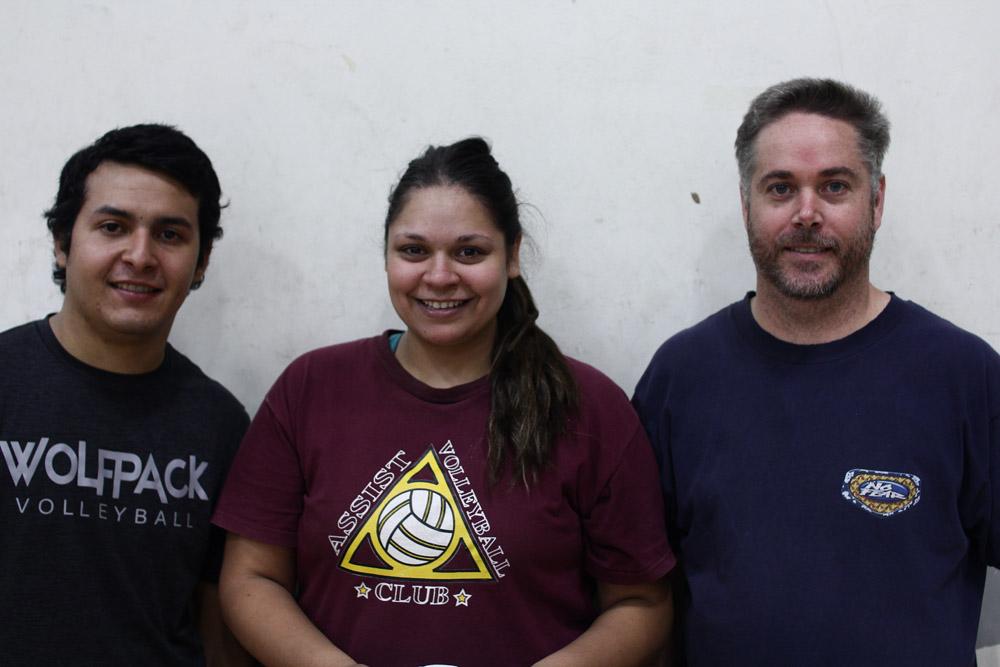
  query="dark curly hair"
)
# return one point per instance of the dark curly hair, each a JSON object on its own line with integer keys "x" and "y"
{"x": 160, "y": 148}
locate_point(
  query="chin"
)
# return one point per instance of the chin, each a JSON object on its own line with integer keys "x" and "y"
{"x": 448, "y": 339}
{"x": 808, "y": 291}
{"x": 138, "y": 328}
{"x": 807, "y": 286}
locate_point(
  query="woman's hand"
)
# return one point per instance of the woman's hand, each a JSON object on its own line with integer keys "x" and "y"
{"x": 632, "y": 629}
{"x": 255, "y": 591}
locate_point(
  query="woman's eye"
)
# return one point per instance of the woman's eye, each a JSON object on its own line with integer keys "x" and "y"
{"x": 470, "y": 253}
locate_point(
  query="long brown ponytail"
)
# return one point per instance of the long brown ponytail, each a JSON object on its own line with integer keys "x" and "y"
{"x": 534, "y": 391}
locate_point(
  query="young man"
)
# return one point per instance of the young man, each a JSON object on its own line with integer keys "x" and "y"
{"x": 829, "y": 452}
{"x": 114, "y": 443}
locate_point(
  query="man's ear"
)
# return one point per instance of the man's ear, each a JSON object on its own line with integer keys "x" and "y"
{"x": 199, "y": 271}
{"x": 58, "y": 252}
{"x": 745, "y": 207}
{"x": 878, "y": 203}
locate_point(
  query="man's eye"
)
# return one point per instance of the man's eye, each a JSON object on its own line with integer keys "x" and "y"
{"x": 170, "y": 235}
{"x": 111, "y": 227}
{"x": 836, "y": 187}
{"x": 781, "y": 189}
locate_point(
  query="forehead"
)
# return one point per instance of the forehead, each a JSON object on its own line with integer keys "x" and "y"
{"x": 806, "y": 142}
{"x": 443, "y": 210}
{"x": 139, "y": 192}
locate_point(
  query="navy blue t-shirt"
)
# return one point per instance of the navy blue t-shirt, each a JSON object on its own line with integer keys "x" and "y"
{"x": 830, "y": 504}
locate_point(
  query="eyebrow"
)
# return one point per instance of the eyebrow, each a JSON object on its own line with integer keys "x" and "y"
{"x": 127, "y": 215}
{"x": 839, "y": 171}
{"x": 464, "y": 238}
{"x": 117, "y": 212}
{"x": 775, "y": 173}
{"x": 832, "y": 171}
{"x": 410, "y": 236}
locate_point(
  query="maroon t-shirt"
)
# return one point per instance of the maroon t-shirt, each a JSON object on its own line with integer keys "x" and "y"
{"x": 406, "y": 555}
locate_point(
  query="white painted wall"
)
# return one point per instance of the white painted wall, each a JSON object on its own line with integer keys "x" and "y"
{"x": 607, "y": 115}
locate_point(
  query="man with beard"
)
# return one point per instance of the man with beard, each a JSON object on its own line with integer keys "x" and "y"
{"x": 829, "y": 452}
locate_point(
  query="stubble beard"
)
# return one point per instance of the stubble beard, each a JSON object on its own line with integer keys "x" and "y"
{"x": 853, "y": 256}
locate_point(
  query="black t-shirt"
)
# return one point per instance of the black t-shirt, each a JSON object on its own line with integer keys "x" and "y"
{"x": 107, "y": 483}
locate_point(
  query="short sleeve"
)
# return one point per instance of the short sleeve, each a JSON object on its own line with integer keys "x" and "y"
{"x": 212, "y": 564}
{"x": 213, "y": 555}
{"x": 993, "y": 538}
{"x": 979, "y": 498}
{"x": 263, "y": 495}
{"x": 655, "y": 418}
{"x": 625, "y": 532}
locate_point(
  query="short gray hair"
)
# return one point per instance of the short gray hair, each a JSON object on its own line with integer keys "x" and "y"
{"x": 825, "y": 97}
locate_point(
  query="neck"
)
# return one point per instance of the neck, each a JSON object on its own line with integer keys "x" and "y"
{"x": 815, "y": 321}
{"x": 118, "y": 355}
{"x": 444, "y": 367}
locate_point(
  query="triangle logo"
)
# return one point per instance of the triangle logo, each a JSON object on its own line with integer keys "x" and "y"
{"x": 417, "y": 531}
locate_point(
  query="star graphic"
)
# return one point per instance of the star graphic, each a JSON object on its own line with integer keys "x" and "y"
{"x": 461, "y": 598}
{"x": 362, "y": 590}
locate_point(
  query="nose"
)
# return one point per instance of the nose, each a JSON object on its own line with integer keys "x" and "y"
{"x": 139, "y": 251}
{"x": 808, "y": 209}
{"x": 440, "y": 273}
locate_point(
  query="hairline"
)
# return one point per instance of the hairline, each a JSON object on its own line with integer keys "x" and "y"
{"x": 746, "y": 180}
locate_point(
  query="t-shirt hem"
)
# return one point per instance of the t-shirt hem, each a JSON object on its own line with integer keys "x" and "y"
{"x": 625, "y": 577}
{"x": 245, "y": 528}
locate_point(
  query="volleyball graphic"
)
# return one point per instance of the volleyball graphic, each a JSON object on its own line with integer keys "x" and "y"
{"x": 416, "y": 526}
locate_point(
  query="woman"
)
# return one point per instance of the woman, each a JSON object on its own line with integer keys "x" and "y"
{"x": 459, "y": 493}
